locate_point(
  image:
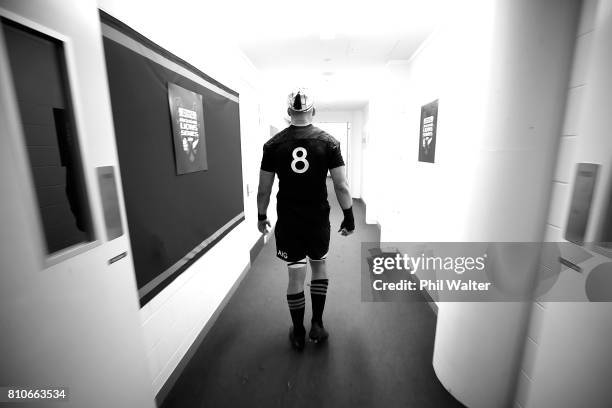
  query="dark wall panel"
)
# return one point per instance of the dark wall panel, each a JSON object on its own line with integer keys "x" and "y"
{"x": 168, "y": 214}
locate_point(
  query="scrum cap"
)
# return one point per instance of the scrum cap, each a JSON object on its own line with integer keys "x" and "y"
{"x": 300, "y": 100}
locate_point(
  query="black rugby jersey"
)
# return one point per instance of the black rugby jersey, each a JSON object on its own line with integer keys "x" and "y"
{"x": 301, "y": 157}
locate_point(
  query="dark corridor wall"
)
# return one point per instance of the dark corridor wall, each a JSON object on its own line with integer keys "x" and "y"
{"x": 169, "y": 215}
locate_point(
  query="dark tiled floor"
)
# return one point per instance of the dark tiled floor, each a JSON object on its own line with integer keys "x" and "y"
{"x": 378, "y": 354}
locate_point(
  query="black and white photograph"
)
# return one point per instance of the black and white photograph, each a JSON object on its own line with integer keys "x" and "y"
{"x": 330, "y": 204}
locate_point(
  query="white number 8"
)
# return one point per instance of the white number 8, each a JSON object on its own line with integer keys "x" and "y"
{"x": 299, "y": 158}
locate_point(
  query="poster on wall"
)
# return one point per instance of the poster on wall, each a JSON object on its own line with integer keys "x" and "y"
{"x": 187, "y": 116}
{"x": 427, "y": 136}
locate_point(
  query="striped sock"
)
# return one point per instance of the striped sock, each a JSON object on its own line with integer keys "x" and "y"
{"x": 318, "y": 293}
{"x": 297, "y": 304}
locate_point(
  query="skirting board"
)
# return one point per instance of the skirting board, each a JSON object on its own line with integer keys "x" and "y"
{"x": 163, "y": 393}
{"x": 256, "y": 249}
{"x": 165, "y": 389}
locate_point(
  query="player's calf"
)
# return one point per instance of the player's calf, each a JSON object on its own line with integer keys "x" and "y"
{"x": 297, "y": 302}
{"x": 318, "y": 295}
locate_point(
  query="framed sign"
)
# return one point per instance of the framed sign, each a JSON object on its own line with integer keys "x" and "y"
{"x": 427, "y": 136}
{"x": 187, "y": 129}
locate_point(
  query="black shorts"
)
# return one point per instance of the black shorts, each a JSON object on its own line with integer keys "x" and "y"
{"x": 296, "y": 240}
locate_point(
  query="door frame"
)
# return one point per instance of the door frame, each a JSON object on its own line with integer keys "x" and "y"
{"x": 16, "y": 140}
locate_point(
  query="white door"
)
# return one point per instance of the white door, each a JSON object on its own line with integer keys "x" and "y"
{"x": 69, "y": 312}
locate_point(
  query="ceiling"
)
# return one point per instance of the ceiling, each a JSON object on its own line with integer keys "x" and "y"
{"x": 335, "y": 48}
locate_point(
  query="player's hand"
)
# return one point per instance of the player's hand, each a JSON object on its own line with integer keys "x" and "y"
{"x": 345, "y": 232}
{"x": 264, "y": 226}
{"x": 347, "y": 227}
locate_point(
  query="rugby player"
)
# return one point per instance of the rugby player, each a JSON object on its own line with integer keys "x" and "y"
{"x": 301, "y": 155}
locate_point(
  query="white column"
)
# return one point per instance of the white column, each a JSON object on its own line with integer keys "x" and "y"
{"x": 479, "y": 345}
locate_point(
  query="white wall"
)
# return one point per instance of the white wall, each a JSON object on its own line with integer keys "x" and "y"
{"x": 355, "y": 118}
{"x": 564, "y": 170}
{"x": 399, "y": 191}
{"x": 561, "y": 191}
{"x": 567, "y": 362}
{"x": 173, "y": 319}
{"x": 500, "y": 70}
{"x": 368, "y": 164}
{"x": 74, "y": 322}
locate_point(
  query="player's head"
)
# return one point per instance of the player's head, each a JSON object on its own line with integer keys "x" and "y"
{"x": 300, "y": 106}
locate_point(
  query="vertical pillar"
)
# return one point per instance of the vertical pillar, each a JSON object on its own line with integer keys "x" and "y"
{"x": 479, "y": 345}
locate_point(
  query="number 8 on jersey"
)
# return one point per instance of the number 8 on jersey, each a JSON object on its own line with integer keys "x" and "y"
{"x": 297, "y": 158}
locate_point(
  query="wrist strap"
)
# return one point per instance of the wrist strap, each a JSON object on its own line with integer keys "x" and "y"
{"x": 348, "y": 212}
{"x": 262, "y": 217}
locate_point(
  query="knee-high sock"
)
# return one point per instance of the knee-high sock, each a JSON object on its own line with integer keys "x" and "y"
{"x": 318, "y": 293}
{"x": 297, "y": 304}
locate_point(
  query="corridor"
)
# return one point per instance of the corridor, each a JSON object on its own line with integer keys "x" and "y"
{"x": 147, "y": 147}
{"x": 369, "y": 361}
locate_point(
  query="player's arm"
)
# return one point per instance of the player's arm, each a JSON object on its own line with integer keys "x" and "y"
{"x": 266, "y": 180}
{"x": 343, "y": 194}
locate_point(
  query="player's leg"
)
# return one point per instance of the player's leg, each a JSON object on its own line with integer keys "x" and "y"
{"x": 318, "y": 248}
{"x": 297, "y": 276}
{"x": 288, "y": 249}
{"x": 318, "y": 288}
{"x": 297, "y": 301}
{"x": 318, "y": 295}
